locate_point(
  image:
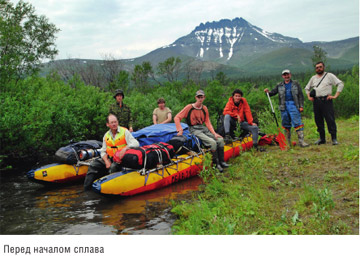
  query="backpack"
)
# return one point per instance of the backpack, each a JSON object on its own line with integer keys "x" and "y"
{"x": 79, "y": 151}
{"x": 148, "y": 156}
{"x": 185, "y": 143}
{"x": 158, "y": 133}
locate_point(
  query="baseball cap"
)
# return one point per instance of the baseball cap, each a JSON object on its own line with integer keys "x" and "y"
{"x": 200, "y": 93}
{"x": 285, "y": 71}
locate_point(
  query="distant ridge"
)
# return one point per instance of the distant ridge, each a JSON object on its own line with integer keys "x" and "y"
{"x": 239, "y": 48}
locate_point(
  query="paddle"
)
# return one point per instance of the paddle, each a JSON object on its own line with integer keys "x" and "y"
{"x": 281, "y": 137}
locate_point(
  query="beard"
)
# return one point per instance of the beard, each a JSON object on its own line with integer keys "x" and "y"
{"x": 319, "y": 72}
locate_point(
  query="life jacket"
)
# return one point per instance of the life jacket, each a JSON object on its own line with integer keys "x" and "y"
{"x": 188, "y": 119}
{"x": 112, "y": 146}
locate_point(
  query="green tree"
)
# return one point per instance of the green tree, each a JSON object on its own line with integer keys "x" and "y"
{"x": 221, "y": 77}
{"x": 121, "y": 81}
{"x": 141, "y": 75}
{"x": 170, "y": 68}
{"x": 25, "y": 40}
{"x": 319, "y": 55}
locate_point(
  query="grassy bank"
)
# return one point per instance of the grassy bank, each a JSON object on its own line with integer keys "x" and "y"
{"x": 313, "y": 190}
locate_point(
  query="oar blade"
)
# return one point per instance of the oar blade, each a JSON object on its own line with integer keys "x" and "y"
{"x": 281, "y": 141}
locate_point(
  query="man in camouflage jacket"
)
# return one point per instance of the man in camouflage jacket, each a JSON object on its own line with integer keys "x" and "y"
{"x": 121, "y": 111}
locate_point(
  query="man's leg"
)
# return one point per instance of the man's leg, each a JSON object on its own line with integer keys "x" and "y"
{"x": 209, "y": 140}
{"x": 254, "y": 131}
{"x": 319, "y": 120}
{"x": 96, "y": 170}
{"x": 329, "y": 115}
{"x": 297, "y": 123}
{"x": 286, "y": 124}
{"x": 227, "y": 126}
{"x": 115, "y": 167}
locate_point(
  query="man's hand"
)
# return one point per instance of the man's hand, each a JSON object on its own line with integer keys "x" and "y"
{"x": 217, "y": 136}
{"x": 180, "y": 132}
{"x": 266, "y": 90}
{"x": 119, "y": 155}
{"x": 254, "y": 124}
{"x": 330, "y": 97}
{"x": 301, "y": 109}
{"x": 131, "y": 129}
{"x": 107, "y": 162}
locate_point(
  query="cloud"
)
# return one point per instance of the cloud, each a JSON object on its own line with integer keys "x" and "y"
{"x": 131, "y": 28}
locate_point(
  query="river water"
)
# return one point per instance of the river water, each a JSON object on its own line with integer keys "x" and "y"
{"x": 31, "y": 208}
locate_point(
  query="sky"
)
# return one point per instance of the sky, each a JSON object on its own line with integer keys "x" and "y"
{"x": 121, "y": 29}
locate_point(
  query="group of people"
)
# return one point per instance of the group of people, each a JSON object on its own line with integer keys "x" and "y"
{"x": 237, "y": 110}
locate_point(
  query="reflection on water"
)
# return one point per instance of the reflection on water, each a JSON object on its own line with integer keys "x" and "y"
{"x": 29, "y": 208}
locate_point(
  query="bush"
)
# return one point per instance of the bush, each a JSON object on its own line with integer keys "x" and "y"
{"x": 39, "y": 115}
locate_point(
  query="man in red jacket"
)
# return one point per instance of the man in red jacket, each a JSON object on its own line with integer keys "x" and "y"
{"x": 237, "y": 110}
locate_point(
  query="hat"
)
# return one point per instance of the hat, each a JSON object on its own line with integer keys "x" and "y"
{"x": 200, "y": 93}
{"x": 119, "y": 92}
{"x": 285, "y": 71}
{"x": 161, "y": 100}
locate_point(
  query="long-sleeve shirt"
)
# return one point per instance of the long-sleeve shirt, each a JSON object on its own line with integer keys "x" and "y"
{"x": 123, "y": 114}
{"x": 242, "y": 110}
{"x": 325, "y": 87}
{"x": 197, "y": 117}
{"x": 130, "y": 141}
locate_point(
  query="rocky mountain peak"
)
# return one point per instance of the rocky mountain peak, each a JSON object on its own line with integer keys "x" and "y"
{"x": 220, "y": 40}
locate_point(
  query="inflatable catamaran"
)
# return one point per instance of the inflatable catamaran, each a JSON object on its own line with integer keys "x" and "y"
{"x": 186, "y": 163}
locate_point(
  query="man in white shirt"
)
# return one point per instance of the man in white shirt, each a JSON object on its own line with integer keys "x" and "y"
{"x": 323, "y": 82}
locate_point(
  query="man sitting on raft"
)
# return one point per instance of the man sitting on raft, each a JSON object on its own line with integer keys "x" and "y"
{"x": 197, "y": 117}
{"x": 116, "y": 139}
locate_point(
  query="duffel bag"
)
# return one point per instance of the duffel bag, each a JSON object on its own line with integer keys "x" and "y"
{"x": 147, "y": 156}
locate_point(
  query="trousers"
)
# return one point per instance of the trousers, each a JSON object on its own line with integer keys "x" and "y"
{"x": 253, "y": 129}
{"x": 291, "y": 117}
{"x": 206, "y": 137}
{"x": 97, "y": 169}
{"x": 324, "y": 109}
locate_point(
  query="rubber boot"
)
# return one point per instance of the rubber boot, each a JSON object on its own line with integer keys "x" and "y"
{"x": 220, "y": 152}
{"x": 288, "y": 136}
{"x": 215, "y": 159}
{"x": 301, "y": 139}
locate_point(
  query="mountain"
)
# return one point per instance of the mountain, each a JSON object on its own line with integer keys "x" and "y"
{"x": 238, "y": 48}
{"x": 239, "y": 44}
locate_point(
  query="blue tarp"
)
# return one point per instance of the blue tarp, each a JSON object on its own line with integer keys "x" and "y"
{"x": 158, "y": 133}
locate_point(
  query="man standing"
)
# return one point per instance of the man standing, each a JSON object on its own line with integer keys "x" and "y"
{"x": 291, "y": 104}
{"x": 323, "y": 82}
{"x": 116, "y": 139}
{"x": 196, "y": 115}
{"x": 121, "y": 111}
{"x": 161, "y": 114}
{"x": 237, "y": 109}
